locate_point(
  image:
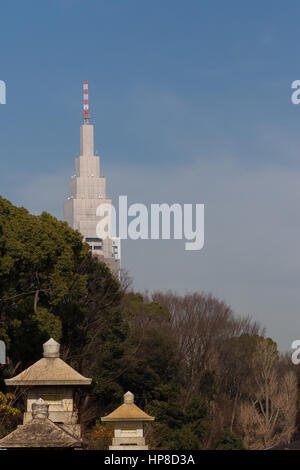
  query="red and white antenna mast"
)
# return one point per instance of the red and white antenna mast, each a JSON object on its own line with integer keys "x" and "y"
{"x": 86, "y": 116}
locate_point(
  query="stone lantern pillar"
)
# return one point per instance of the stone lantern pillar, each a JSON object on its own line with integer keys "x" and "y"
{"x": 40, "y": 409}
{"x": 128, "y": 422}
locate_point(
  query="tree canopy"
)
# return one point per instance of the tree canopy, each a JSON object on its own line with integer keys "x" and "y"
{"x": 190, "y": 361}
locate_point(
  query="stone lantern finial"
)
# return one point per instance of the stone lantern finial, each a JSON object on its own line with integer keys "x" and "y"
{"x": 51, "y": 348}
{"x": 40, "y": 409}
{"x": 128, "y": 398}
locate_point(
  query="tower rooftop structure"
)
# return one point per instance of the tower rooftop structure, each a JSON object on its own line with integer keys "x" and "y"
{"x": 87, "y": 191}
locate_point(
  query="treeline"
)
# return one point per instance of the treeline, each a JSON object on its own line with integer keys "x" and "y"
{"x": 211, "y": 379}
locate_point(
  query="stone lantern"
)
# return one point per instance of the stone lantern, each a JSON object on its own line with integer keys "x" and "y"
{"x": 54, "y": 381}
{"x": 40, "y": 433}
{"x": 128, "y": 422}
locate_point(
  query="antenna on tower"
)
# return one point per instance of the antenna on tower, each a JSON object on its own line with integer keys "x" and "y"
{"x": 86, "y": 116}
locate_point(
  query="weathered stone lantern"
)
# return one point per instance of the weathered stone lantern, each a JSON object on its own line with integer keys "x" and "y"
{"x": 129, "y": 422}
{"x": 54, "y": 381}
{"x": 40, "y": 432}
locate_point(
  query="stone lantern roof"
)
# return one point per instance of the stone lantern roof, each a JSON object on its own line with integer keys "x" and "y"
{"x": 128, "y": 411}
{"x": 50, "y": 370}
{"x": 40, "y": 432}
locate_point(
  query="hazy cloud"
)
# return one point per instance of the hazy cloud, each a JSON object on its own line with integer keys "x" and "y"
{"x": 252, "y": 230}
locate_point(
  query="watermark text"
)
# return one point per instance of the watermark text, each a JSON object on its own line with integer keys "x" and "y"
{"x": 2, "y": 92}
{"x": 159, "y": 221}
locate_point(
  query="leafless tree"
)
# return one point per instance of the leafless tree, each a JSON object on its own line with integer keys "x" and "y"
{"x": 200, "y": 322}
{"x": 268, "y": 417}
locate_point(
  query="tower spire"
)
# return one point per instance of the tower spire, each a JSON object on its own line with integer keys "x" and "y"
{"x": 86, "y": 116}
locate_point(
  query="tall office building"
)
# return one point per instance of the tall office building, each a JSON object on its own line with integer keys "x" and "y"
{"x": 87, "y": 192}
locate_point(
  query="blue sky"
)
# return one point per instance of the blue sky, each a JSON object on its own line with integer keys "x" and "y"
{"x": 191, "y": 103}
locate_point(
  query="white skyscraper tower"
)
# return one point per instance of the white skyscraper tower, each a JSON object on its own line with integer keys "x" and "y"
{"x": 87, "y": 192}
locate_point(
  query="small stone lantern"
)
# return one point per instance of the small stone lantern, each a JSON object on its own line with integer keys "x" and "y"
{"x": 129, "y": 422}
{"x": 40, "y": 432}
